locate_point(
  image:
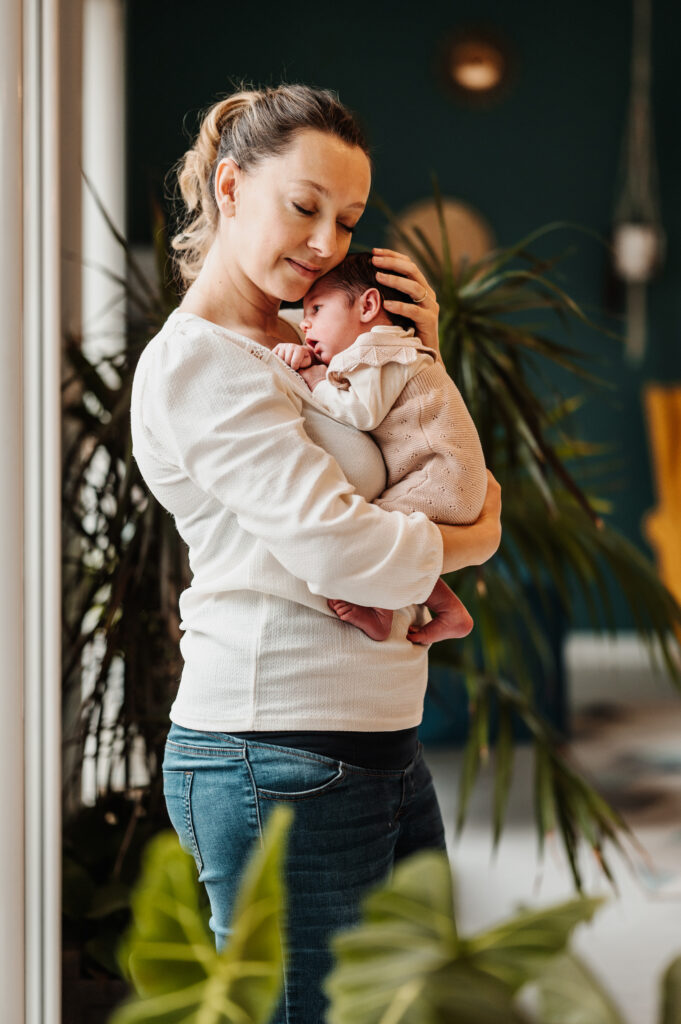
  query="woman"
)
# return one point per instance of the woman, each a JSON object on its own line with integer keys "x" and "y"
{"x": 280, "y": 701}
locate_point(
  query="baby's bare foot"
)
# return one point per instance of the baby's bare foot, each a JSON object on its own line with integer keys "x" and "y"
{"x": 451, "y": 624}
{"x": 375, "y": 622}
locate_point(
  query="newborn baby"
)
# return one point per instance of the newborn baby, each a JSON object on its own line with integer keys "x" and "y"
{"x": 368, "y": 369}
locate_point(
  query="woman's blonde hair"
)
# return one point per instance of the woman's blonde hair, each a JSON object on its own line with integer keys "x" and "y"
{"x": 248, "y": 125}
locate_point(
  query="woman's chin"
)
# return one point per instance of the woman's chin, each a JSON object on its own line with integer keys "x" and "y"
{"x": 293, "y": 291}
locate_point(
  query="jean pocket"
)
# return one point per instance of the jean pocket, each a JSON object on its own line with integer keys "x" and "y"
{"x": 177, "y": 788}
{"x": 280, "y": 775}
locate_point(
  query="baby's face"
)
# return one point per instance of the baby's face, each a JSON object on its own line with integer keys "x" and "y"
{"x": 330, "y": 323}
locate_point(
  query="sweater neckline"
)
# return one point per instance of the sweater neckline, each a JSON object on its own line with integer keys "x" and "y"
{"x": 228, "y": 330}
{"x": 290, "y": 374}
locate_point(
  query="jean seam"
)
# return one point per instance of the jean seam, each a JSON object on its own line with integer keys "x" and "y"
{"x": 400, "y": 809}
{"x": 255, "y": 796}
{"x": 322, "y": 759}
{"x": 259, "y": 820}
{"x": 305, "y": 794}
{"x": 211, "y": 751}
{"x": 295, "y": 752}
{"x": 382, "y": 773}
{"x": 188, "y": 820}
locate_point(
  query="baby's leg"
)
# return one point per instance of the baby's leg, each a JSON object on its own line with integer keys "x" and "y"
{"x": 375, "y": 622}
{"x": 451, "y": 622}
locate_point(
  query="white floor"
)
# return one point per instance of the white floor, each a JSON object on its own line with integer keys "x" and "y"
{"x": 633, "y": 753}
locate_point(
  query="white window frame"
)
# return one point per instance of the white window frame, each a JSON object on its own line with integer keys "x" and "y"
{"x": 30, "y": 548}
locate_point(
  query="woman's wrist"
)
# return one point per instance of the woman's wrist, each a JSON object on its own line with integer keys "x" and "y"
{"x": 468, "y": 545}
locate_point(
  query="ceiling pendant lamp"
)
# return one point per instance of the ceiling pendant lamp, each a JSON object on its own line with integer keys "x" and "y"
{"x": 638, "y": 236}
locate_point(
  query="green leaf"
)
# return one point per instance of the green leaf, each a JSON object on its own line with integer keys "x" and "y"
{"x": 671, "y": 993}
{"x": 570, "y": 994}
{"x": 401, "y": 964}
{"x": 545, "y": 808}
{"x": 520, "y": 949}
{"x": 169, "y": 952}
{"x": 470, "y": 767}
{"x": 109, "y": 898}
{"x": 503, "y": 769}
{"x": 405, "y": 964}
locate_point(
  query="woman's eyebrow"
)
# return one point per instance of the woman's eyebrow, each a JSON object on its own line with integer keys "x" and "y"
{"x": 324, "y": 191}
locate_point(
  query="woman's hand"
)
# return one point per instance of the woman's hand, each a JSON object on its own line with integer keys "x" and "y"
{"x": 474, "y": 544}
{"x": 297, "y": 356}
{"x": 423, "y": 312}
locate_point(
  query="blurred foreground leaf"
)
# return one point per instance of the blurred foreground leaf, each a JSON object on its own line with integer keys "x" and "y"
{"x": 169, "y": 952}
{"x": 406, "y": 962}
{"x": 570, "y": 994}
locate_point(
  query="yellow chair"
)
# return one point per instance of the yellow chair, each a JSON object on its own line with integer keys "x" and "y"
{"x": 662, "y": 525}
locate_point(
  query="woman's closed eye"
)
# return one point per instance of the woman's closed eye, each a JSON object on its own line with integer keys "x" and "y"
{"x": 310, "y": 213}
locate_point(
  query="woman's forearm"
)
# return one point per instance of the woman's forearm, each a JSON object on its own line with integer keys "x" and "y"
{"x": 468, "y": 545}
{"x": 474, "y": 544}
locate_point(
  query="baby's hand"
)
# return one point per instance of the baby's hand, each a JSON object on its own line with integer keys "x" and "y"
{"x": 313, "y": 375}
{"x": 297, "y": 356}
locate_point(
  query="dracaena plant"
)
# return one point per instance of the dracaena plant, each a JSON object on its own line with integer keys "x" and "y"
{"x": 125, "y": 565}
{"x": 556, "y": 535}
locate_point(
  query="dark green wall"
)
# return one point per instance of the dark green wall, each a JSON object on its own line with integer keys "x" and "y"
{"x": 549, "y": 151}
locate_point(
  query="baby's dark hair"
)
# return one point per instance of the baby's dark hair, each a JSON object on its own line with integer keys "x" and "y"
{"x": 355, "y": 274}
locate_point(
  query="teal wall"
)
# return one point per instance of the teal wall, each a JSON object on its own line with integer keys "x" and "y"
{"x": 549, "y": 151}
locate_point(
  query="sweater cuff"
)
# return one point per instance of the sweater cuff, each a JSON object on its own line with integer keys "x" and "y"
{"x": 433, "y": 560}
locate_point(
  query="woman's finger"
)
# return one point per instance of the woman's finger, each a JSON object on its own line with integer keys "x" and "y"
{"x": 398, "y": 261}
{"x": 404, "y": 284}
{"x": 388, "y": 252}
{"x": 410, "y": 280}
{"x": 413, "y": 310}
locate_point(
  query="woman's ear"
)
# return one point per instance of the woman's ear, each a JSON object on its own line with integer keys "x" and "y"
{"x": 370, "y": 305}
{"x": 226, "y": 182}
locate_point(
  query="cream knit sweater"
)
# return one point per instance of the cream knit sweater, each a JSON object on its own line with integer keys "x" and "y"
{"x": 273, "y": 499}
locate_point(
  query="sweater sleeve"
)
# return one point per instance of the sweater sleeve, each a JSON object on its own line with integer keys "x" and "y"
{"x": 368, "y": 395}
{"x": 233, "y": 427}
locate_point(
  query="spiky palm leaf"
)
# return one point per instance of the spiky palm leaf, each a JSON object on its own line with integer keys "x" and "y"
{"x": 554, "y": 532}
{"x": 125, "y": 565}
{"x": 123, "y": 562}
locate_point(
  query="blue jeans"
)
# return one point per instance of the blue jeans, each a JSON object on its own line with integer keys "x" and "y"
{"x": 350, "y": 826}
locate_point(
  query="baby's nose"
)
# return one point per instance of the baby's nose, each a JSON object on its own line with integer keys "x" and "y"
{"x": 304, "y": 325}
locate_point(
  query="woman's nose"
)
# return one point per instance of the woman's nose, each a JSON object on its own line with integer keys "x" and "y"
{"x": 323, "y": 241}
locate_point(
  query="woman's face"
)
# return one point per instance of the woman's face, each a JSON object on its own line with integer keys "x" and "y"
{"x": 292, "y": 215}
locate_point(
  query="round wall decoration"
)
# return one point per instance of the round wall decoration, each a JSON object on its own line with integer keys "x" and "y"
{"x": 468, "y": 233}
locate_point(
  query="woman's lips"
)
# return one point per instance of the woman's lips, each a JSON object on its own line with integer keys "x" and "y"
{"x": 302, "y": 269}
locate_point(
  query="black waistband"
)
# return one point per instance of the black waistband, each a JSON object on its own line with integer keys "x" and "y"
{"x": 394, "y": 749}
